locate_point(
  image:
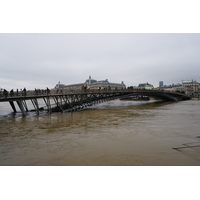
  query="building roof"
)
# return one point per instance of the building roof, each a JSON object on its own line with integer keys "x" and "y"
{"x": 77, "y": 84}
{"x": 144, "y": 85}
{"x": 91, "y": 82}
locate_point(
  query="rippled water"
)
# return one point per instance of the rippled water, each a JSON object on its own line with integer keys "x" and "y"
{"x": 112, "y": 133}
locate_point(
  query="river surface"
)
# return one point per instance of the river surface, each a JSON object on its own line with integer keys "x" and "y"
{"x": 115, "y": 133}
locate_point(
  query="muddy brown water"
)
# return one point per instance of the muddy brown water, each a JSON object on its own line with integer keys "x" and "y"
{"x": 115, "y": 133}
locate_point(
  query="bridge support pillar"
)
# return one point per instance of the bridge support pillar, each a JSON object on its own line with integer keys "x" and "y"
{"x": 21, "y": 107}
{"x": 59, "y": 104}
{"x": 13, "y": 106}
{"x": 48, "y": 104}
{"x": 36, "y": 106}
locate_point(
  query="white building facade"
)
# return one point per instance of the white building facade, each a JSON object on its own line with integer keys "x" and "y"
{"x": 91, "y": 84}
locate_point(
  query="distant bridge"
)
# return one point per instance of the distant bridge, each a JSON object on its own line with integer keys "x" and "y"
{"x": 78, "y": 100}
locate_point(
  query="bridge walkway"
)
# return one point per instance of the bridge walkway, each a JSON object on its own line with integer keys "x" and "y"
{"x": 78, "y": 100}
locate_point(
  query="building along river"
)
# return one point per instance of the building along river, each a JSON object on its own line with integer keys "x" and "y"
{"x": 135, "y": 133}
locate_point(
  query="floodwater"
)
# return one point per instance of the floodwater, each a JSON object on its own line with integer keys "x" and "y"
{"x": 115, "y": 133}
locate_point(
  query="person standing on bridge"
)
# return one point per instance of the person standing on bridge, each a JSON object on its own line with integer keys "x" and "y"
{"x": 24, "y": 92}
{"x": 48, "y": 91}
{"x": 5, "y": 93}
{"x": 1, "y": 93}
{"x": 12, "y": 93}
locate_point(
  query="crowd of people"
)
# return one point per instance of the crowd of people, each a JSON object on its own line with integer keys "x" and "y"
{"x": 42, "y": 92}
{"x": 5, "y": 94}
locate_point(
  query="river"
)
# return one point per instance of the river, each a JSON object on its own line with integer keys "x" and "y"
{"x": 115, "y": 133}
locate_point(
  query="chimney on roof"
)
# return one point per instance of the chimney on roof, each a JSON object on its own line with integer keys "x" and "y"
{"x": 89, "y": 80}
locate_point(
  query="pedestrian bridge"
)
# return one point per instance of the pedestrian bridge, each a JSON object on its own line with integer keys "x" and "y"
{"x": 80, "y": 99}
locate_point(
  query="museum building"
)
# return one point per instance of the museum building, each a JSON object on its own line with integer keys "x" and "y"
{"x": 92, "y": 84}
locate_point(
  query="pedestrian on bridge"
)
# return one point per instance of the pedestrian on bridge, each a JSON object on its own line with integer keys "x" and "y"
{"x": 5, "y": 93}
{"x": 1, "y": 93}
{"x": 12, "y": 93}
{"x": 24, "y": 92}
{"x": 48, "y": 91}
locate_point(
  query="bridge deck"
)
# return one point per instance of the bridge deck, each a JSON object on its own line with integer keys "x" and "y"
{"x": 154, "y": 93}
{"x": 74, "y": 100}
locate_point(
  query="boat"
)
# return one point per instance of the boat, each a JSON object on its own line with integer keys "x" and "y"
{"x": 135, "y": 98}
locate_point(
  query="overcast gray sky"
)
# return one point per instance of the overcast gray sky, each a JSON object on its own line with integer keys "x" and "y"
{"x": 41, "y": 60}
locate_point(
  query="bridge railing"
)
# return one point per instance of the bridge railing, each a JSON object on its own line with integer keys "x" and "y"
{"x": 52, "y": 92}
{"x": 68, "y": 92}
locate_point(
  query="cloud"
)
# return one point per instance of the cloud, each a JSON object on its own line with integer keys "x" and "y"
{"x": 44, "y": 59}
